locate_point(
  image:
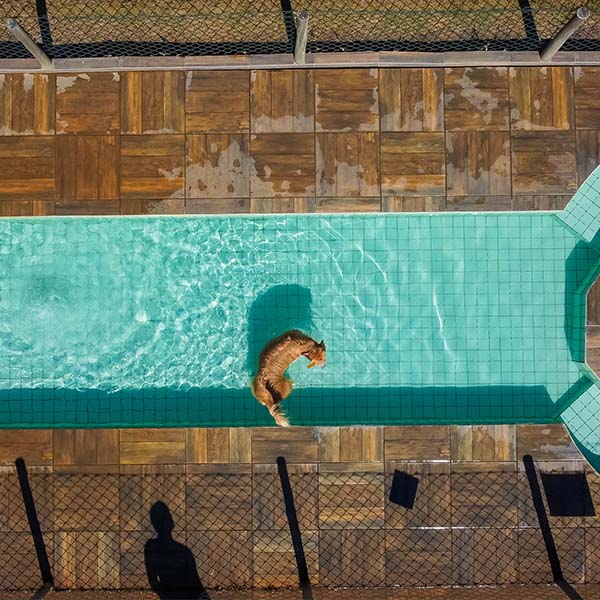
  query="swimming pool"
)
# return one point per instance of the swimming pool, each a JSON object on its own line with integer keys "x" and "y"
{"x": 428, "y": 318}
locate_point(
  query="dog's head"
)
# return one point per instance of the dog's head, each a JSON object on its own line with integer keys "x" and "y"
{"x": 316, "y": 356}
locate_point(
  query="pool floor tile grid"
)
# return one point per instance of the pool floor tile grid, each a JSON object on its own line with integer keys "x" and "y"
{"x": 397, "y": 298}
{"x": 472, "y": 522}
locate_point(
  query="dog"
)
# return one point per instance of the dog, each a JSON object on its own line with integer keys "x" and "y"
{"x": 270, "y": 386}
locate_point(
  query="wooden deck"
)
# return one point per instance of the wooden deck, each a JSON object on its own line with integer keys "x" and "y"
{"x": 473, "y": 521}
{"x": 324, "y": 140}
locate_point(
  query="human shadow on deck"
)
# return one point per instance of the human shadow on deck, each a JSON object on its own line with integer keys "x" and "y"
{"x": 170, "y": 566}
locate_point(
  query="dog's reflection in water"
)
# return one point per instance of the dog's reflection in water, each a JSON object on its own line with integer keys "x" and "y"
{"x": 170, "y": 566}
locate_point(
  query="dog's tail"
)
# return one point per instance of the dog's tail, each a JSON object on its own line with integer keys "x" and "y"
{"x": 278, "y": 415}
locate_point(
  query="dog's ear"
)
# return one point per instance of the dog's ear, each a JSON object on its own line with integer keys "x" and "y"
{"x": 322, "y": 343}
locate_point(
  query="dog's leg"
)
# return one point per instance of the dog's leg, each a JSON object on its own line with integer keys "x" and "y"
{"x": 282, "y": 388}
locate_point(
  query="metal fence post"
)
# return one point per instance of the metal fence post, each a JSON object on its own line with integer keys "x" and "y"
{"x": 301, "y": 37}
{"x": 576, "y": 21}
{"x": 22, "y": 36}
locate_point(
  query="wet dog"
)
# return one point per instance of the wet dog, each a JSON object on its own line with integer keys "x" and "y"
{"x": 270, "y": 386}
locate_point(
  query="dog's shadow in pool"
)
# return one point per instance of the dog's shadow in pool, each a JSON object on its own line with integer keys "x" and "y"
{"x": 170, "y": 566}
{"x": 279, "y": 309}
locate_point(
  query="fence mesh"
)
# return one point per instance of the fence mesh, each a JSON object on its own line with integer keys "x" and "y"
{"x": 232, "y": 530}
{"x": 86, "y": 28}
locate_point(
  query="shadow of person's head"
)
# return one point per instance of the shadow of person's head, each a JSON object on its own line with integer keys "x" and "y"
{"x": 161, "y": 519}
{"x": 170, "y": 566}
{"x": 279, "y": 309}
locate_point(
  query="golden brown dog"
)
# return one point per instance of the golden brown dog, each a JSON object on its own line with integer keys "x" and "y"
{"x": 270, "y": 386}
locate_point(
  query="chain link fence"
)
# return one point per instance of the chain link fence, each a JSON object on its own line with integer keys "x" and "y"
{"x": 103, "y": 28}
{"x": 219, "y": 528}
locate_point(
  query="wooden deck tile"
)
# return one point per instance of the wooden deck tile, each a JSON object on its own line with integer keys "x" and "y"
{"x": 32, "y": 445}
{"x": 141, "y": 486}
{"x": 483, "y": 443}
{"x": 269, "y": 512}
{"x": 350, "y": 444}
{"x": 347, "y": 205}
{"x": 535, "y": 170}
{"x": 411, "y": 99}
{"x": 153, "y": 102}
{"x": 27, "y": 168}
{"x": 163, "y": 206}
{"x": 534, "y": 566}
{"x": 413, "y": 203}
{"x": 219, "y": 502}
{"x": 217, "y": 445}
{"x": 295, "y": 444}
{"x": 346, "y": 100}
{"x": 19, "y": 567}
{"x": 541, "y": 98}
{"x": 431, "y": 506}
{"x": 478, "y": 203}
{"x": 417, "y": 557}
{"x": 282, "y": 101}
{"x": 550, "y": 442}
{"x": 417, "y": 443}
{"x": 329, "y": 444}
{"x": 484, "y": 556}
{"x": 152, "y": 446}
{"x": 412, "y": 164}
{"x": 539, "y": 202}
{"x": 86, "y": 446}
{"x": 27, "y": 104}
{"x": 347, "y": 164}
{"x": 481, "y": 498}
{"x": 196, "y": 449}
{"x": 133, "y": 574}
{"x": 587, "y": 99}
{"x": 88, "y": 560}
{"x": 282, "y": 205}
{"x": 351, "y": 500}
{"x": 240, "y": 445}
{"x": 87, "y": 167}
{"x": 588, "y": 152}
{"x": 274, "y": 559}
{"x": 478, "y": 163}
{"x": 223, "y": 558}
{"x": 86, "y": 502}
{"x": 23, "y": 208}
{"x": 152, "y": 166}
{"x": 282, "y": 164}
{"x": 88, "y": 103}
{"x": 476, "y": 98}
{"x": 86, "y": 207}
{"x": 217, "y": 166}
{"x": 217, "y": 101}
{"x": 217, "y": 206}
{"x": 354, "y": 557}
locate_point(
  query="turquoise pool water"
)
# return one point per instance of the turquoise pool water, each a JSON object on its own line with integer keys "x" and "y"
{"x": 155, "y": 321}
